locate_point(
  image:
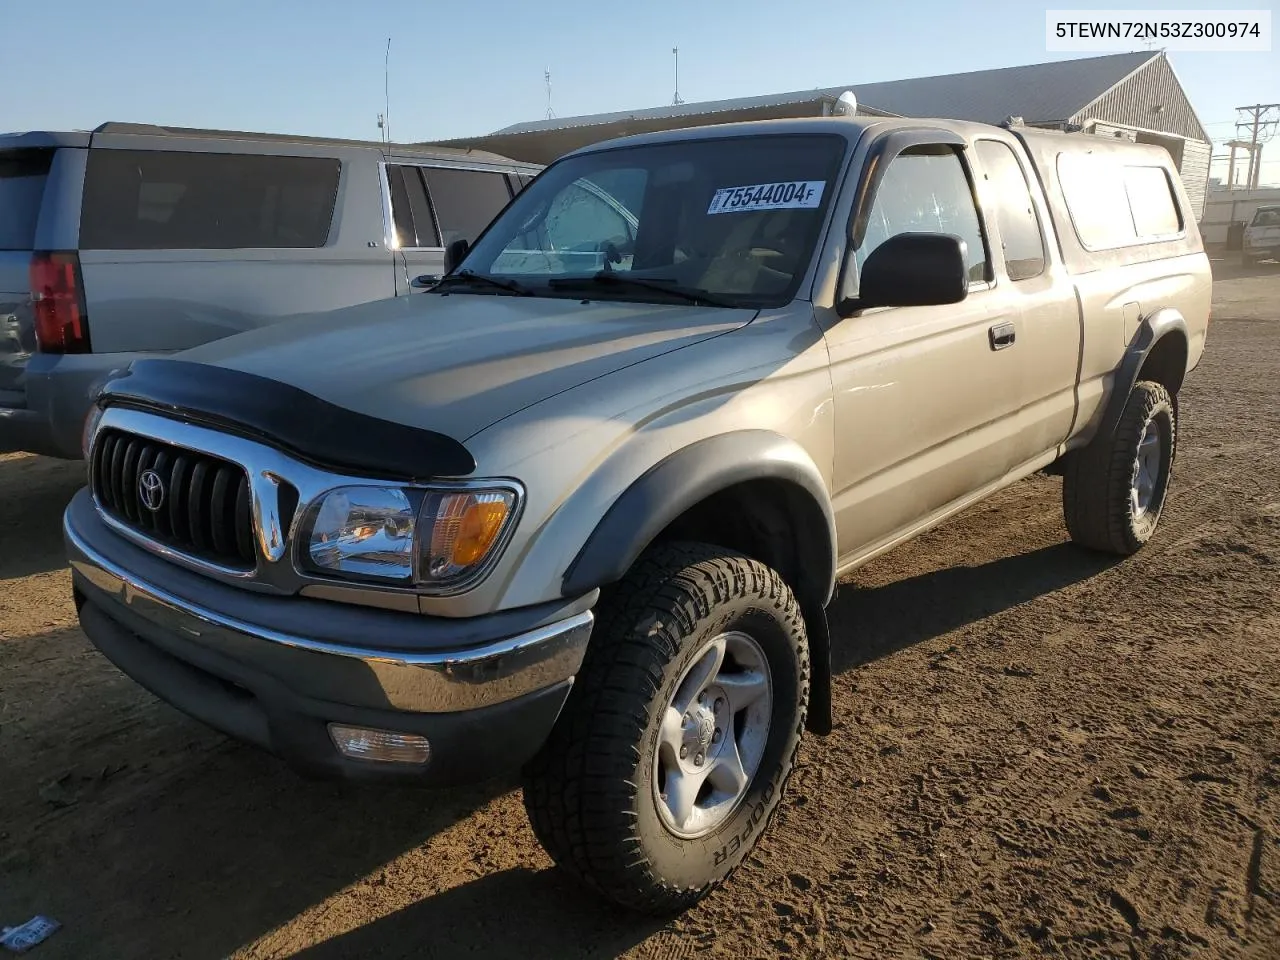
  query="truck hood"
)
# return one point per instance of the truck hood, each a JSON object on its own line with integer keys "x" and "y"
{"x": 456, "y": 364}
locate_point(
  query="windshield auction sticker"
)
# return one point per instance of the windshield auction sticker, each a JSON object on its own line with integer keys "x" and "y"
{"x": 788, "y": 195}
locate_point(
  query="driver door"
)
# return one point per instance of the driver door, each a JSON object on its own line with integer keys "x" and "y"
{"x": 924, "y": 396}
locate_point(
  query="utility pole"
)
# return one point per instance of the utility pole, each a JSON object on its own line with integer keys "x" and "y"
{"x": 1256, "y": 121}
{"x": 676, "y": 101}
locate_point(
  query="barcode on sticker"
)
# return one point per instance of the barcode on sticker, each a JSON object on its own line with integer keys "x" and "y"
{"x": 788, "y": 195}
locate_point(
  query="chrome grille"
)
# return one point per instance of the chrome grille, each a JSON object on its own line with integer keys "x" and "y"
{"x": 193, "y": 502}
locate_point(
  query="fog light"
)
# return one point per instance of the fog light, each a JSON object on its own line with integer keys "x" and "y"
{"x": 387, "y": 746}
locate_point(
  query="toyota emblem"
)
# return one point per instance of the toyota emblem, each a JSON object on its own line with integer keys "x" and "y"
{"x": 151, "y": 490}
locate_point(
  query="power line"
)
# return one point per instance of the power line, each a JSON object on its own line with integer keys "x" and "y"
{"x": 1255, "y": 121}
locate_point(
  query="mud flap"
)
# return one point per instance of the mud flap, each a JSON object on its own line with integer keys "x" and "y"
{"x": 819, "y": 719}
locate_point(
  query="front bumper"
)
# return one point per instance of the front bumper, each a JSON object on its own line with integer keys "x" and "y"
{"x": 485, "y": 708}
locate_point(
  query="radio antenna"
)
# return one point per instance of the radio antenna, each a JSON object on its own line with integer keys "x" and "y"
{"x": 676, "y": 101}
{"x": 546, "y": 76}
{"x": 386, "y": 91}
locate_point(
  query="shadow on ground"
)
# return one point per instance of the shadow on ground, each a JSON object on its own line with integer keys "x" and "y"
{"x": 514, "y": 914}
{"x": 33, "y": 493}
{"x": 207, "y": 846}
{"x": 208, "y": 858}
{"x": 868, "y": 624}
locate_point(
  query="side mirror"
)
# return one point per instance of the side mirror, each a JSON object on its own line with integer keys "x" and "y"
{"x": 454, "y": 254}
{"x": 909, "y": 270}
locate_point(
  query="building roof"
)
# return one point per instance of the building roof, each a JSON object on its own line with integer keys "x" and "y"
{"x": 542, "y": 141}
{"x": 672, "y": 111}
{"x": 1040, "y": 93}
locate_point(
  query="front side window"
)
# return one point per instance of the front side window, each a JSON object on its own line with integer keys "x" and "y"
{"x": 732, "y": 221}
{"x": 167, "y": 200}
{"x": 465, "y": 200}
{"x": 925, "y": 190}
{"x": 1019, "y": 224}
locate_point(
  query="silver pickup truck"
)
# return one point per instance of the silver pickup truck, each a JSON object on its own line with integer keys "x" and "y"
{"x": 579, "y": 510}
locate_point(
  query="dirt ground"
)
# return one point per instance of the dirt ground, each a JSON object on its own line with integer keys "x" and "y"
{"x": 1039, "y": 752}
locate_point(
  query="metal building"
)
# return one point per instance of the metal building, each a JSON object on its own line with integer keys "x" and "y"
{"x": 1132, "y": 95}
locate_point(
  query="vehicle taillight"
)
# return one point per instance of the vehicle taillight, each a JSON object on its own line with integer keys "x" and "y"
{"x": 57, "y": 300}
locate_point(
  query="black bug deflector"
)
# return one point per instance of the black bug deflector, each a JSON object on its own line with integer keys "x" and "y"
{"x": 289, "y": 418}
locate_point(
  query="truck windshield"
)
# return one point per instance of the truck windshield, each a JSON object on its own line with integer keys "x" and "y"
{"x": 1267, "y": 217}
{"x": 726, "y": 222}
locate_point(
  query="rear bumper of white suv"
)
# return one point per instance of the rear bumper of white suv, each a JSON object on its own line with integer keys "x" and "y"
{"x": 47, "y": 415}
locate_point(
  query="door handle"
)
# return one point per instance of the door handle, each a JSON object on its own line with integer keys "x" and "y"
{"x": 1002, "y": 335}
{"x": 425, "y": 280}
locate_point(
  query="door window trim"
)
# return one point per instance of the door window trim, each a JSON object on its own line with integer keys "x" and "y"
{"x": 883, "y": 151}
{"x": 388, "y": 213}
{"x": 1035, "y": 208}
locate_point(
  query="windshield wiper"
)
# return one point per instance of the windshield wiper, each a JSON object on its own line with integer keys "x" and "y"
{"x": 472, "y": 279}
{"x": 613, "y": 278}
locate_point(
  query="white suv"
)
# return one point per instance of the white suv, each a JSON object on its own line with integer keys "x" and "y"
{"x": 135, "y": 239}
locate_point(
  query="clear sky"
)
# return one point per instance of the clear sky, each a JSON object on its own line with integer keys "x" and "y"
{"x": 316, "y": 66}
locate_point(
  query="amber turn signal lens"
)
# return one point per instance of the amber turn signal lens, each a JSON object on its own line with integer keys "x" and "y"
{"x": 465, "y": 528}
{"x": 477, "y": 529}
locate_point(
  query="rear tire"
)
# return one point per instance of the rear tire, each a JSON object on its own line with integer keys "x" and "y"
{"x": 647, "y": 791}
{"x": 1114, "y": 489}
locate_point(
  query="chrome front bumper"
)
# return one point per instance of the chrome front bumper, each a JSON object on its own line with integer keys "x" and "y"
{"x": 278, "y": 671}
{"x": 426, "y": 682}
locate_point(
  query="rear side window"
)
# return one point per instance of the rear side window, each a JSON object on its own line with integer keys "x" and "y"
{"x": 1155, "y": 212}
{"x": 465, "y": 201}
{"x": 1117, "y": 205}
{"x": 157, "y": 200}
{"x": 1016, "y": 216}
{"x": 22, "y": 177}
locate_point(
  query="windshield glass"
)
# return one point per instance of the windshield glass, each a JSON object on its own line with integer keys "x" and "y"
{"x": 1267, "y": 217}
{"x": 735, "y": 220}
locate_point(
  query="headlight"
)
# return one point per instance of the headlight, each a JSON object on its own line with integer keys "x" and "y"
{"x": 365, "y": 531}
{"x": 434, "y": 538}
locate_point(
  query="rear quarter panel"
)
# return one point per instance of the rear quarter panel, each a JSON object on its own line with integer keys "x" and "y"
{"x": 1118, "y": 288}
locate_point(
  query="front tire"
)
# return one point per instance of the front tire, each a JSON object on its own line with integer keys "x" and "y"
{"x": 681, "y": 730}
{"x": 1114, "y": 489}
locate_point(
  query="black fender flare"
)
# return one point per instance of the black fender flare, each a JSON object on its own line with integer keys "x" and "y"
{"x": 1165, "y": 322}
{"x": 692, "y": 474}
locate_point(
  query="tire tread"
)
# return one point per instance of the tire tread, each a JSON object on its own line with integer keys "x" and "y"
{"x": 570, "y": 787}
{"x": 1096, "y": 478}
